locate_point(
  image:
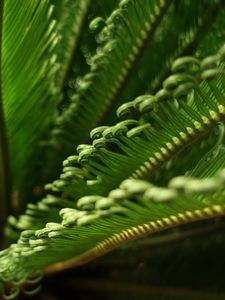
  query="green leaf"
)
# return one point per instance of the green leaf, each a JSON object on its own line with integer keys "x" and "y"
{"x": 5, "y": 202}
{"x": 133, "y": 21}
{"x": 138, "y": 149}
{"x": 191, "y": 34}
{"x": 70, "y": 16}
{"x": 131, "y": 150}
{"x": 160, "y": 165}
{"x": 28, "y": 70}
{"x": 99, "y": 225}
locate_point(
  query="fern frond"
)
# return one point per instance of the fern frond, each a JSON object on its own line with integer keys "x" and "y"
{"x": 70, "y": 16}
{"x": 133, "y": 21}
{"x": 191, "y": 37}
{"x": 99, "y": 225}
{"x": 136, "y": 149}
{"x": 133, "y": 178}
{"x": 129, "y": 149}
{"x": 182, "y": 39}
{"x": 28, "y": 71}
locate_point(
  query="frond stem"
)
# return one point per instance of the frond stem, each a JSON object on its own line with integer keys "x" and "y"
{"x": 133, "y": 233}
{"x": 111, "y": 105}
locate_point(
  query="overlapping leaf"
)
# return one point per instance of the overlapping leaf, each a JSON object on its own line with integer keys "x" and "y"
{"x": 129, "y": 149}
{"x": 100, "y": 224}
{"x": 28, "y": 71}
{"x": 92, "y": 208}
{"x": 133, "y": 21}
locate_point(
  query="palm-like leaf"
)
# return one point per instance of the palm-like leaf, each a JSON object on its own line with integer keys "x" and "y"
{"x": 165, "y": 110}
{"x": 28, "y": 82}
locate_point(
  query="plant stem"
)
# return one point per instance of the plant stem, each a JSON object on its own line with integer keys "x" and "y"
{"x": 111, "y": 244}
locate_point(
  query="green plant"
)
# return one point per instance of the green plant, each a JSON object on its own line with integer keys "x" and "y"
{"x": 144, "y": 88}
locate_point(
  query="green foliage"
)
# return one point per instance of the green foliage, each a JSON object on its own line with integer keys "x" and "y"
{"x": 29, "y": 93}
{"x": 119, "y": 105}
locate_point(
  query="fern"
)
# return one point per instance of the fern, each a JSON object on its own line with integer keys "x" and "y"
{"x": 111, "y": 129}
{"x": 27, "y": 75}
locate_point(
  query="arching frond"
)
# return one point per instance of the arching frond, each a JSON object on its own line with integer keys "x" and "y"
{"x": 101, "y": 224}
{"x": 134, "y": 22}
{"x": 135, "y": 149}
{"x": 28, "y": 70}
{"x": 128, "y": 98}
